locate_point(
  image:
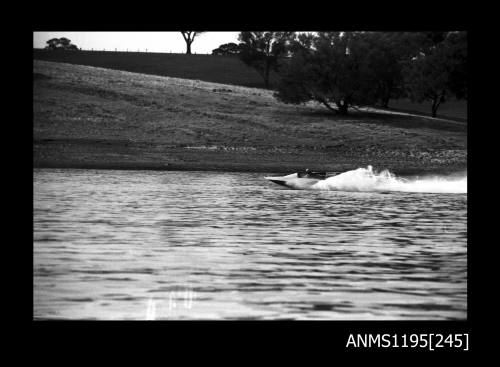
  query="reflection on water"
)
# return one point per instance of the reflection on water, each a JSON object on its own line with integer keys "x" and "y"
{"x": 207, "y": 245}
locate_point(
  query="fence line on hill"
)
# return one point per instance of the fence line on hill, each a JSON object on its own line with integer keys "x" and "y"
{"x": 132, "y": 50}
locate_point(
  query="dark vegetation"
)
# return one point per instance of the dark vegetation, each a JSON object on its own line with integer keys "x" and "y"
{"x": 60, "y": 44}
{"x": 345, "y": 69}
{"x": 227, "y": 49}
{"x": 264, "y": 51}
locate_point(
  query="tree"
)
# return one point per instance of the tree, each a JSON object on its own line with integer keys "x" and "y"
{"x": 330, "y": 68}
{"x": 52, "y": 43}
{"x": 64, "y": 42}
{"x": 457, "y": 55}
{"x": 60, "y": 44}
{"x": 263, "y": 50}
{"x": 189, "y": 38}
{"x": 388, "y": 53}
{"x": 439, "y": 71}
{"x": 227, "y": 49}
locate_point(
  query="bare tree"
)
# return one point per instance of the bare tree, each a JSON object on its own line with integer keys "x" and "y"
{"x": 189, "y": 38}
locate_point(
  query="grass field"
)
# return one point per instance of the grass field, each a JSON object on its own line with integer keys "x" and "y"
{"x": 453, "y": 109}
{"x": 216, "y": 69}
{"x": 94, "y": 117}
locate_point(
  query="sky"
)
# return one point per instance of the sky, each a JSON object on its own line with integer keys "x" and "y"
{"x": 134, "y": 41}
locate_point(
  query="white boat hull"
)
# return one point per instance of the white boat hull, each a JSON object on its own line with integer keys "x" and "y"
{"x": 293, "y": 181}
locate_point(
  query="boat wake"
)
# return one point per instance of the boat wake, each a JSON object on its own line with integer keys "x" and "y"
{"x": 365, "y": 179}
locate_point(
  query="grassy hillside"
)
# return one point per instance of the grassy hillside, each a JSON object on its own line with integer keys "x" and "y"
{"x": 217, "y": 69}
{"x": 453, "y": 109}
{"x": 94, "y": 117}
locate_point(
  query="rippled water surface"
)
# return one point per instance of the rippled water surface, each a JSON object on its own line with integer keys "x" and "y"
{"x": 207, "y": 245}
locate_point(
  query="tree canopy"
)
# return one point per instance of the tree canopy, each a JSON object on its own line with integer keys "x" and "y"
{"x": 439, "y": 71}
{"x": 227, "y": 49}
{"x": 330, "y": 68}
{"x": 263, "y": 50}
{"x": 342, "y": 69}
{"x": 60, "y": 44}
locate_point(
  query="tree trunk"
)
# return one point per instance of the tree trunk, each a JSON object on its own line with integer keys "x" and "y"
{"x": 266, "y": 75}
{"x": 188, "y": 49}
{"x": 385, "y": 101}
{"x": 436, "y": 102}
{"x": 434, "y": 110}
{"x": 342, "y": 108}
{"x": 387, "y": 94}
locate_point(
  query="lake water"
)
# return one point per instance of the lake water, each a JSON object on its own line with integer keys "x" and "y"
{"x": 111, "y": 244}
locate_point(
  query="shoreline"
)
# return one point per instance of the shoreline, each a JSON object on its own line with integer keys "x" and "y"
{"x": 239, "y": 167}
